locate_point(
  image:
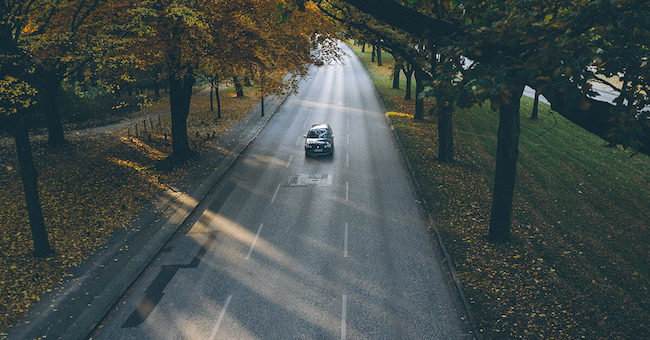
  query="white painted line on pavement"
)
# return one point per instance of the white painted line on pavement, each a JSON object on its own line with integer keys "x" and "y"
{"x": 345, "y": 241}
{"x": 347, "y": 191}
{"x": 347, "y": 160}
{"x": 289, "y": 162}
{"x": 348, "y": 122}
{"x": 300, "y": 138}
{"x": 348, "y": 141}
{"x": 250, "y": 251}
{"x": 221, "y": 315}
{"x": 344, "y": 325}
{"x": 276, "y": 193}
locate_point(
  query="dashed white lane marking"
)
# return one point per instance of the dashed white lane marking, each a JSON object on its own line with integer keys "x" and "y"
{"x": 347, "y": 160}
{"x": 289, "y": 161}
{"x": 348, "y": 139}
{"x": 345, "y": 241}
{"x": 299, "y": 139}
{"x": 344, "y": 324}
{"x": 275, "y": 194}
{"x": 221, "y": 316}
{"x": 347, "y": 191}
{"x": 250, "y": 251}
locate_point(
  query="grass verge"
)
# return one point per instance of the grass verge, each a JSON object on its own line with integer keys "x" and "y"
{"x": 578, "y": 264}
{"x": 90, "y": 187}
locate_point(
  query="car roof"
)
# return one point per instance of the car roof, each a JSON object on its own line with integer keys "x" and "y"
{"x": 320, "y": 126}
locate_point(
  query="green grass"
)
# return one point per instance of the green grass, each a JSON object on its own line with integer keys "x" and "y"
{"x": 578, "y": 263}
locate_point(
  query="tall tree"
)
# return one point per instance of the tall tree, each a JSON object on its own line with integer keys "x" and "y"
{"x": 64, "y": 36}
{"x": 16, "y": 96}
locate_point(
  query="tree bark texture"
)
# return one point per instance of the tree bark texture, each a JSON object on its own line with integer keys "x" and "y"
{"x": 180, "y": 95}
{"x": 506, "y": 167}
{"x": 445, "y": 135}
{"x": 29, "y": 178}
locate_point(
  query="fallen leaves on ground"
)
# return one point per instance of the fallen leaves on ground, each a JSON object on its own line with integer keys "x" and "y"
{"x": 89, "y": 187}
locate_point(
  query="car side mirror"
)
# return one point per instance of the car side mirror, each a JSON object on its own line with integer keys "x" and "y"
{"x": 304, "y": 136}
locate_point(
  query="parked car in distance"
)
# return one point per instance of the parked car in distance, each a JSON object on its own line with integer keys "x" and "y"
{"x": 319, "y": 140}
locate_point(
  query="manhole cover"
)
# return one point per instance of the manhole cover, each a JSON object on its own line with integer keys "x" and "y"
{"x": 314, "y": 180}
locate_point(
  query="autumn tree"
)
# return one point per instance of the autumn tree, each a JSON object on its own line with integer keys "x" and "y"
{"x": 286, "y": 48}
{"x": 16, "y": 97}
{"x": 63, "y": 37}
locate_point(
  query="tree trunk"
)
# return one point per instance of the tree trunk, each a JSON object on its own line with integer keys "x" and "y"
{"x": 51, "y": 89}
{"x": 216, "y": 94}
{"x": 180, "y": 95}
{"x": 506, "y": 167}
{"x": 29, "y": 178}
{"x": 247, "y": 82}
{"x": 238, "y": 87}
{"x": 396, "y": 71}
{"x": 374, "y": 49}
{"x": 363, "y": 46}
{"x": 534, "y": 115}
{"x": 419, "y": 101}
{"x": 409, "y": 83}
{"x": 379, "y": 61}
{"x": 211, "y": 101}
{"x": 445, "y": 135}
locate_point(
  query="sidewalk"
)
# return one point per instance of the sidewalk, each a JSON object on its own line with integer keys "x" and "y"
{"x": 77, "y": 306}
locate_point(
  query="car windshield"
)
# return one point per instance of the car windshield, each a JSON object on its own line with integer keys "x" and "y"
{"x": 317, "y": 133}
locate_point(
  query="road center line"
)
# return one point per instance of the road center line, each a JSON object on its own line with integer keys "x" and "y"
{"x": 275, "y": 194}
{"x": 289, "y": 162}
{"x": 348, "y": 137}
{"x": 347, "y": 160}
{"x": 344, "y": 324}
{"x": 347, "y": 191}
{"x": 250, "y": 251}
{"x": 345, "y": 241}
{"x": 299, "y": 138}
{"x": 221, "y": 315}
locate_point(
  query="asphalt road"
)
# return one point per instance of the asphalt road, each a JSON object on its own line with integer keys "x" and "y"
{"x": 289, "y": 247}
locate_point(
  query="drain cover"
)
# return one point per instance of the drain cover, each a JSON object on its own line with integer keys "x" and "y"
{"x": 302, "y": 180}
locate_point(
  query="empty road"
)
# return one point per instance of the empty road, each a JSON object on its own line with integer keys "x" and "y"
{"x": 289, "y": 247}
